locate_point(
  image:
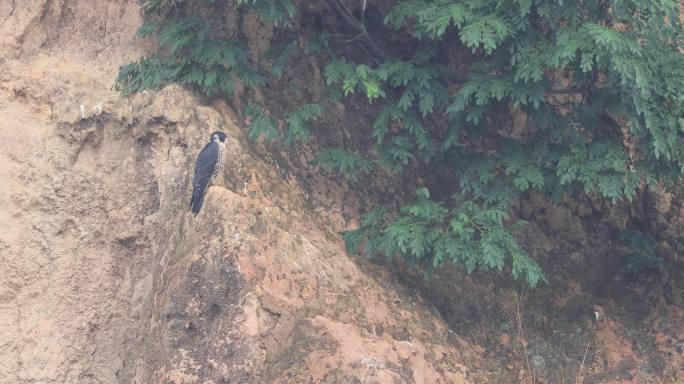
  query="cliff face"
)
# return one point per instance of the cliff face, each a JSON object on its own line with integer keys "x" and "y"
{"x": 105, "y": 276}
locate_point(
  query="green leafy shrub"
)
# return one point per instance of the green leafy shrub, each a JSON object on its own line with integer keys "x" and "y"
{"x": 296, "y": 129}
{"x": 261, "y": 125}
{"x": 429, "y": 233}
{"x": 297, "y": 122}
{"x": 189, "y": 54}
{"x": 349, "y": 164}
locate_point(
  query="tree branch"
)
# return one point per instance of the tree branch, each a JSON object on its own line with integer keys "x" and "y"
{"x": 363, "y": 12}
{"x": 342, "y": 12}
{"x": 373, "y": 47}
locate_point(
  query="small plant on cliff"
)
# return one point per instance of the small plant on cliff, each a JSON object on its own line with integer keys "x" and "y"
{"x": 498, "y": 98}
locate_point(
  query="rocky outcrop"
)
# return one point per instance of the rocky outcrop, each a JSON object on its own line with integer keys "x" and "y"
{"x": 106, "y": 276}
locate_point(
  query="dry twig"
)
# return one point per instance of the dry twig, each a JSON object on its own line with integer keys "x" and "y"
{"x": 579, "y": 379}
{"x": 521, "y": 335}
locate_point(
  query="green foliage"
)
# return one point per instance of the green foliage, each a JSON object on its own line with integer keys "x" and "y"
{"x": 298, "y": 122}
{"x": 643, "y": 255}
{"x": 261, "y": 125}
{"x": 296, "y": 130}
{"x": 191, "y": 55}
{"x": 498, "y": 98}
{"x": 194, "y": 51}
{"x": 624, "y": 89}
{"x": 349, "y": 164}
{"x": 285, "y": 53}
{"x": 278, "y": 12}
{"x": 429, "y": 233}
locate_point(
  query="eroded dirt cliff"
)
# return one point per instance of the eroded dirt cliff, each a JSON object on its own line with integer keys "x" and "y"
{"x": 105, "y": 276}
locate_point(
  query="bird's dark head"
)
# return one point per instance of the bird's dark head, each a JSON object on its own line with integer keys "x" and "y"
{"x": 218, "y": 136}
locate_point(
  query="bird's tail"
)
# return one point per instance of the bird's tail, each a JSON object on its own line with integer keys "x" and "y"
{"x": 197, "y": 200}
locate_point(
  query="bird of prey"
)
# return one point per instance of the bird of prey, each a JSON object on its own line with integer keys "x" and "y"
{"x": 209, "y": 164}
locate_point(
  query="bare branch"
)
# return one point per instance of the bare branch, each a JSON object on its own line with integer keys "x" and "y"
{"x": 363, "y": 12}
{"x": 341, "y": 11}
{"x": 373, "y": 47}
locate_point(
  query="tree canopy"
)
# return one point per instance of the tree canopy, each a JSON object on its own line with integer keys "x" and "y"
{"x": 499, "y": 98}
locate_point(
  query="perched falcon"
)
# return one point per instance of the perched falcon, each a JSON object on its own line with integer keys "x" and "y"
{"x": 209, "y": 164}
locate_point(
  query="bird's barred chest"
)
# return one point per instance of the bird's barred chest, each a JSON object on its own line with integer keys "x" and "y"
{"x": 221, "y": 158}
